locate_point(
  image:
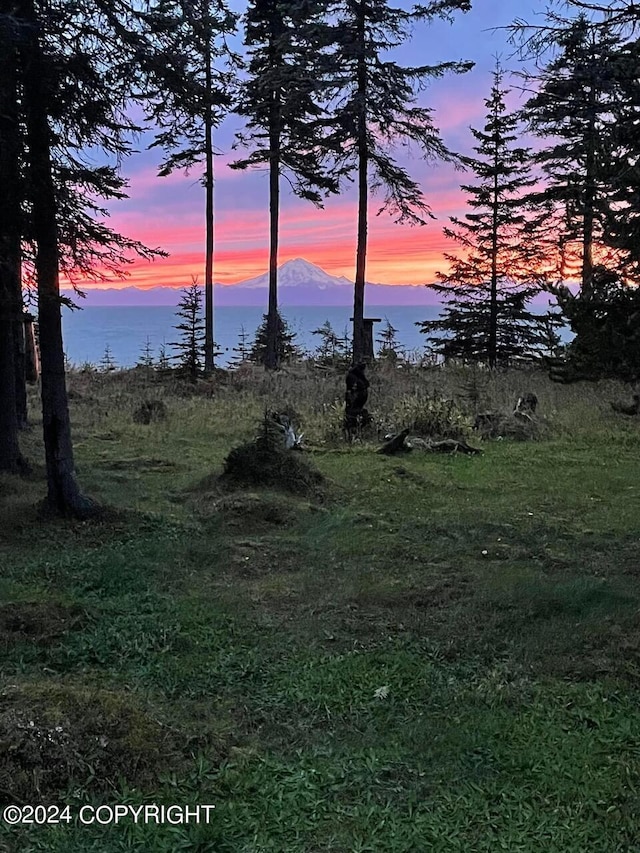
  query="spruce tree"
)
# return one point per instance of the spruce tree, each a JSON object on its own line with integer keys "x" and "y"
{"x": 107, "y": 363}
{"x": 282, "y": 100}
{"x": 190, "y": 347}
{"x": 572, "y": 111}
{"x": 486, "y": 288}
{"x": 242, "y": 350}
{"x": 72, "y": 67}
{"x": 388, "y": 340}
{"x": 163, "y": 362}
{"x": 374, "y": 109}
{"x": 607, "y": 331}
{"x": 39, "y": 94}
{"x": 145, "y": 358}
{"x": 196, "y": 93}
{"x": 587, "y": 102}
{"x": 621, "y": 224}
{"x": 332, "y": 349}
{"x": 286, "y": 349}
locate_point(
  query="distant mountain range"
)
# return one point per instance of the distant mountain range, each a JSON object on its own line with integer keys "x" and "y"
{"x": 299, "y": 283}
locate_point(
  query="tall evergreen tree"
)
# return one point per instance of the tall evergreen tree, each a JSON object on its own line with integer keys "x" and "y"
{"x": 588, "y": 101}
{"x": 63, "y": 492}
{"x": 10, "y": 232}
{"x": 196, "y": 93}
{"x": 572, "y": 110}
{"x": 73, "y": 70}
{"x": 375, "y": 109}
{"x": 607, "y": 331}
{"x": 486, "y": 288}
{"x": 282, "y": 101}
{"x": 621, "y": 224}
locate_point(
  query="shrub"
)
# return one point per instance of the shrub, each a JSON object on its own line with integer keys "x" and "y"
{"x": 150, "y": 410}
{"x": 430, "y": 416}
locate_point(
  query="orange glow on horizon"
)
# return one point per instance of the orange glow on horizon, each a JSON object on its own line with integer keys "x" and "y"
{"x": 404, "y": 260}
{"x": 395, "y": 255}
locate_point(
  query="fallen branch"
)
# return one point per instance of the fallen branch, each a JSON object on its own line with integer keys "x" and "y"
{"x": 396, "y": 444}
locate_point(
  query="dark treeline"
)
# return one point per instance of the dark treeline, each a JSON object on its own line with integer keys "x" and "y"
{"x": 567, "y": 212}
{"x": 324, "y": 104}
{"x": 65, "y": 90}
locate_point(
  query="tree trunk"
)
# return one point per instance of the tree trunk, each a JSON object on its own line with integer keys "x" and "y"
{"x": 588, "y": 214}
{"x": 64, "y": 495}
{"x": 493, "y": 309}
{"x": 10, "y": 458}
{"x": 20, "y": 361}
{"x": 209, "y": 182}
{"x": 271, "y": 358}
{"x": 363, "y": 195}
{"x": 10, "y": 285}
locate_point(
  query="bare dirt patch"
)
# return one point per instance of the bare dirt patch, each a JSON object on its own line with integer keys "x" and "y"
{"x": 56, "y": 737}
{"x": 40, "y": 622}
{"x": 139, "y": 463}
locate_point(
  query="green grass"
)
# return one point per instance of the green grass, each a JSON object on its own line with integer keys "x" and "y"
{"x": 431, "y": 654}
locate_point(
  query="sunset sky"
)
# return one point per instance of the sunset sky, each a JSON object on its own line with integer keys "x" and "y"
{"x": 168, "y": 212}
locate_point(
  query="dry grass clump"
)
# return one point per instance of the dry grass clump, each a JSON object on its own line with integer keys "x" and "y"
{"x": 329, "y": 424}
{"x": 54, "y": 737}
{"x": 430, "y": 416}
{"x": 441, "y": 402}
{"x": 150, "y": 410}
{"x": 512, "y": 427}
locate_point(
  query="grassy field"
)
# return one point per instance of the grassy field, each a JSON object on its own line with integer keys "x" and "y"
{"x": 431, "y": 653}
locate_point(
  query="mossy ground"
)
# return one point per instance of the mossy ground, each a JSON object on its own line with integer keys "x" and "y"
{"x": 442, "y": 655}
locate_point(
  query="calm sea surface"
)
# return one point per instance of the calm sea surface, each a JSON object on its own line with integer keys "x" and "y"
{"x": 124, "y": 330}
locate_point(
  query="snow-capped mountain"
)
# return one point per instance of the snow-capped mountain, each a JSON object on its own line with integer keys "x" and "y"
{"x": 298, "y": 273}
{"x": 299, "y": 283}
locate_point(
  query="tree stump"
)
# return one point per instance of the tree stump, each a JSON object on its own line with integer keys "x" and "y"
{"x": 356, "y": 395}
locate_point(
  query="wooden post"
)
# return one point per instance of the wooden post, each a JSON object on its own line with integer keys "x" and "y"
{"x": 367, "y": 349}
{"x": 31, "y": 349}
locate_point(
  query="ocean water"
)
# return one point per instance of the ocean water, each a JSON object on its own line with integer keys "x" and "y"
{"x": 87, "y": 332}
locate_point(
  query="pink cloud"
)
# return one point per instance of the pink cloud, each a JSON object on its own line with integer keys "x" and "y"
{"x": 396, "y": 254}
